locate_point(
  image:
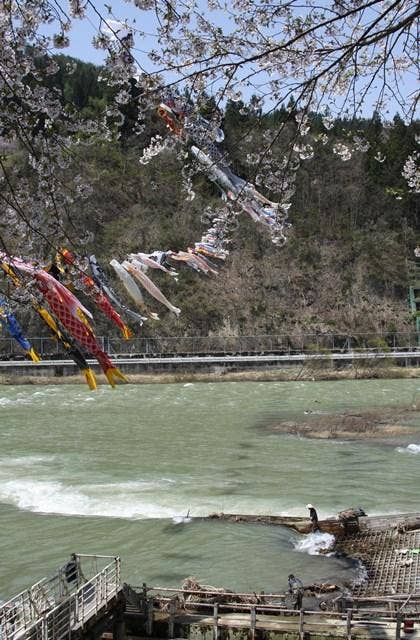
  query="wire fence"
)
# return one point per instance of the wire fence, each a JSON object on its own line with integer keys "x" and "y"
{"x": 283, "y": 344}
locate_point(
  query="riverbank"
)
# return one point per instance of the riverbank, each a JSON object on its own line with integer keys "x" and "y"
{"x": 281, "y": 374}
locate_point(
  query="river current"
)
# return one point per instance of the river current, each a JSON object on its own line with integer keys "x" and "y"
{"x": 117, "y": 472}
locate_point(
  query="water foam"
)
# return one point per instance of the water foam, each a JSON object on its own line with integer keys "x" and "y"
{"x": 25, "y": 461}
{"x": 42, "y": 497}
{"x": 44, "y": 397}
{"x": 111, "y": 500}
{"x": 411, "y": 448}
{"x": 361, "y": 575}
{"x": 23, "y": 399}
{"x": 315, "y": 543}
{"x": 36, "y": 483}
{"x": 181, "y": 520}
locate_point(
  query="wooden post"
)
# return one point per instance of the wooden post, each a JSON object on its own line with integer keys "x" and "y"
{"x": 398, "y": 626}
{"x": 301, "y": 622}
{"x": 349, "y": 616}
{"x": 171, "y": 620}
{"x": 144, "y": 595}
{"x": 118, "y": 628}
{"x": 149, "y": 617}
{"x": 216, "y": 621}
{"x": 253, "y": 621}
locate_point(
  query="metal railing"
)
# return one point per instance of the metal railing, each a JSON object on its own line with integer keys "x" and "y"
{"x": 287, "y": 344}
{"x": 51, "y": 608}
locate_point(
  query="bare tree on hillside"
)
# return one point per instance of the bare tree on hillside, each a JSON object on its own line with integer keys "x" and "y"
{"x": 335, "y": 58}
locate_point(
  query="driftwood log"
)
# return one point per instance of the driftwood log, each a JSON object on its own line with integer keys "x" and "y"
{"x": 301, "y": 525}
{"x": 197, "y": 595}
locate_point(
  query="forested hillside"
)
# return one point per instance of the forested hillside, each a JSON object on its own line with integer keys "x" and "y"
{"x": 354, "y": 225}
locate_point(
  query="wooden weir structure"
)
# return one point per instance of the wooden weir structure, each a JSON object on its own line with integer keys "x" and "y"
{"x": 161, "y": 612}
{"x": 384, "y": 606}
{"x": 386, "y": 555}
{"x": 86, "y": 600}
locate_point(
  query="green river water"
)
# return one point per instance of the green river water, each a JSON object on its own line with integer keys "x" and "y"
{"x": 113, "y": 472}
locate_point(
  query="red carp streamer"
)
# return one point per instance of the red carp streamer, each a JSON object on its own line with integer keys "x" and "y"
{"x": 70, "y": 312}
{"x": 106, "y": 307}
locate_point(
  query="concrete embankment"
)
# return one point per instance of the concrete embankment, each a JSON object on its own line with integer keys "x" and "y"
{"x": 212, "y": 368}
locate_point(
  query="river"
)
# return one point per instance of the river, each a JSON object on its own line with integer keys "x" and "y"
{"x": 115, "y": 472}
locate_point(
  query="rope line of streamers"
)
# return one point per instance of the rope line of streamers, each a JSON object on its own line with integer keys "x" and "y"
{"x": 50, "y": 289}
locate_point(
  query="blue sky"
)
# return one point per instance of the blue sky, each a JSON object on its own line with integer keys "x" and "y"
{"x": 84, "y": 30}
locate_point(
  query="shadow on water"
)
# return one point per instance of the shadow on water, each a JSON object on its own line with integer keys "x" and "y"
{"x": 175, "y": 527}
{"x": 364, "y": 463}
{"x": 179, "y": 555}
{"x": 228, "y": 491}
{"x": 168, "y": 578}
